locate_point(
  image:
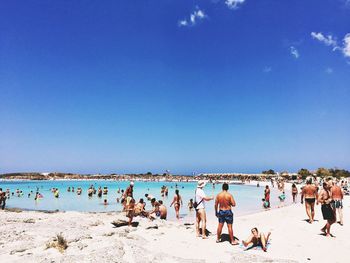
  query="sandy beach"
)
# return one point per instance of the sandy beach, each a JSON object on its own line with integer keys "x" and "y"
{"x": 24, "y": 237}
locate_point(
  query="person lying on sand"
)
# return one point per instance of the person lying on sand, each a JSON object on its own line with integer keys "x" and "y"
{"x": 257, "y": 239}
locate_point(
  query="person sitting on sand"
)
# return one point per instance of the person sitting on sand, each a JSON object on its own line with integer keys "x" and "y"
{"x": 140, "y": 208}
{"x": 282, "y": 197}
{"x": 177, "y": 202}
{"x": 155, "y": 211}
{"x": 257, "y": 239}
{"x": 265, "y": 203}
{"x": 162, "y": 210}
{"x": 310, "y": 193}
{"x": 224, "y": 202}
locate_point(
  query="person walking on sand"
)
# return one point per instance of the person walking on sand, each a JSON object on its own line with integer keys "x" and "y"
{"x": 328, "y": 214}
{"x": 258, "y": 239}
{"x": 177, "y": 202}
{"x": 199, "y": 205}
{"x": 267, "y": 195}
{"x": 337, "y": 196}
{"x": 224, "y": 202}
{"x": 294, "y": 192}
{"x": 311, "y": 195}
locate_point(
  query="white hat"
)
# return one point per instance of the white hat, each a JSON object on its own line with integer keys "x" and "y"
{"x": 131, "y": 183}
{"x": 201, "y": 183}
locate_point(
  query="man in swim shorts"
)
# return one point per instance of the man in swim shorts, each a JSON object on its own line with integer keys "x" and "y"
{"x": 337, "y": 203}
{"x": 224, "y": 202}
{"x": 325, "y": 198}
{"x": 311, "y": 196}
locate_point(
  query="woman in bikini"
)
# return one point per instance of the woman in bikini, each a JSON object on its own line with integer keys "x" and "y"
{"x": 177, "y": 202}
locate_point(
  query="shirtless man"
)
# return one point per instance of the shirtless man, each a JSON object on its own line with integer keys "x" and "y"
{"x": 337, "y": 196}
{"x": 310, "y": 193}
{"x": 225, "y": 201}
{"x": 328, "y": 213}
{"x": 162, "y": 210}
{"x": 159, "y": 210}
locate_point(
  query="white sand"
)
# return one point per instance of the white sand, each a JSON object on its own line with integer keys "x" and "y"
{"x": 91, "y": 238}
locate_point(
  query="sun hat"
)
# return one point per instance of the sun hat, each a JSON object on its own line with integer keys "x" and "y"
{"x": 201, "y": 183}
{"x": 132, "y": 183}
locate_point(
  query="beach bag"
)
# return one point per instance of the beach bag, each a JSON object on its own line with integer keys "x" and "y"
{"x": 195, "y": 204}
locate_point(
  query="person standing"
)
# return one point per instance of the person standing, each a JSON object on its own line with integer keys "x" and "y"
{"x": 129, "y": 191}
{"x": 311, "y": 195}
{"x": 328, "y": 214}
{"x": 2, "y": 199}
{"x": 267, "y": 195}
{"x": 224, "y": 202}
{"x": 294, "y": 192}
{"x": 337, "y": 196}
{"x": 177, "y": 202}
{"x": 200, "y": 200}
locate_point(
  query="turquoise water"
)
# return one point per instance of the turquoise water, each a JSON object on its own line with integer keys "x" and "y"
{"x": 248, "y": 198}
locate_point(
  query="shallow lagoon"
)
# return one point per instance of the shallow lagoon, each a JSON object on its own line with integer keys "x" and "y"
{"x": 248, "y": 197}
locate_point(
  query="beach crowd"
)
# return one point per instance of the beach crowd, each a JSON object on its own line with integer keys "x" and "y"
{"x": 329, "y": 197}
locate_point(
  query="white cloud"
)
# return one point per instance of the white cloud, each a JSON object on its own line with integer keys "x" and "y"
{"x": 329, "y": 70}
{"x": 294, "y": 52}
{"x": 346, "y": 48}
{"x": 183, "y": 23}
{"x": 267, "y": 69}
{"x": 328, "y": 40}
{"x": 234, "y": 4}
{"x": 331, "y": 41}
{"x": 194, "y": 18}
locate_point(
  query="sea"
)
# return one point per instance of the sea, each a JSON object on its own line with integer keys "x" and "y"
{"x": 247, "y": 197}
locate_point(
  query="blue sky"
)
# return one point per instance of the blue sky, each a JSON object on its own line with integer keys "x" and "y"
{"x": 189, "y": 86}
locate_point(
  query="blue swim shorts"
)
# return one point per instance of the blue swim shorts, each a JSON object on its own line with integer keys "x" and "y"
{"x": 225, "y": 216}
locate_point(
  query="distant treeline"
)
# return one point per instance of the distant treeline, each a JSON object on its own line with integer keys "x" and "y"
{"x": 320, "y": 172}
